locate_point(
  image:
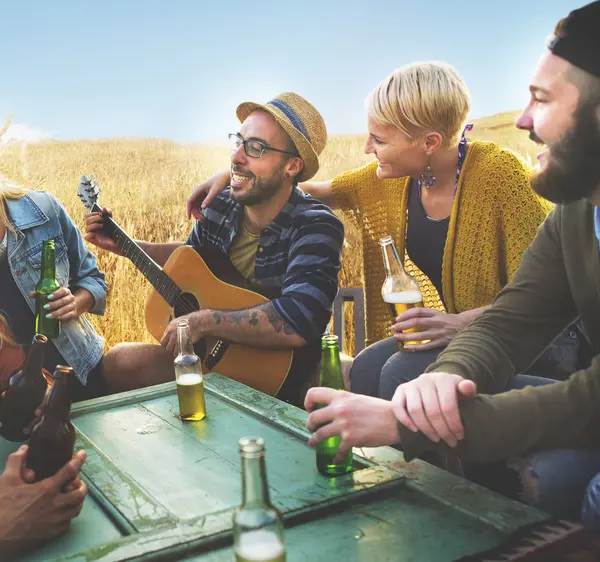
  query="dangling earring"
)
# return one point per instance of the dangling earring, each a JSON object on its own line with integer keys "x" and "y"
{"x": 427, "y": 178}
{"x": 286, "y": 175}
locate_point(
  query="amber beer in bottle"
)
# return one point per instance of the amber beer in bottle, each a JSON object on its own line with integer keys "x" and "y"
{"x": 188, "y": 376}
{"x": 53, "y": 438}
{"x": 400, "y": 291}
{"x": 25, "y": 393}
{"x": 331, "y": 377}
{"x": 257, "y": 525}
{"x": 47, "y": 284}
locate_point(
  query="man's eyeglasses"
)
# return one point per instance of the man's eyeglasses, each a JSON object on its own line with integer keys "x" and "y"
{"x": 254, "y": 148}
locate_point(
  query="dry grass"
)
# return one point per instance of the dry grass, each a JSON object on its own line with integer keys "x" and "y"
{"x": 146, "y": 183}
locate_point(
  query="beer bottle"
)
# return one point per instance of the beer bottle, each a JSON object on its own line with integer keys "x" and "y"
{"x": 331, "y": 377}
{"x": 53, "y": 438}
{"x": 188, "y": 376}
{"x": 400, "y": 291}
{"x": 47, "y": 284}
{"x": 257, "y": 525}
{"x": 25, "y": 393}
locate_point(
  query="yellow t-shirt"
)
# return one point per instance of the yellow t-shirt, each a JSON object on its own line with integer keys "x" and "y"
{"x": 242, "y": 252}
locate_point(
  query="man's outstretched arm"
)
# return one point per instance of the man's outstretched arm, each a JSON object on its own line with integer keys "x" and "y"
{"x": 259, "y": 326}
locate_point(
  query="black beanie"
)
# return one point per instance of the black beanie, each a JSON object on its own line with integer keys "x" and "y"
{"x": 578, "y": 38}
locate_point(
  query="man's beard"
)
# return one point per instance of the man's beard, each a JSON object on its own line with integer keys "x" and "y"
{"x": 573, "y": 168}
{"x": 262, "y": 190}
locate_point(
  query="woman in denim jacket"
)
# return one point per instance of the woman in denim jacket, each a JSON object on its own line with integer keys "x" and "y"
{"x": 27, "y": 218}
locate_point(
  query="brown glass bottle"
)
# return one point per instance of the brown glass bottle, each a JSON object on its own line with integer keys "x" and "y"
{"x": 53, "y": 438}
{"x": 26, "y": 390}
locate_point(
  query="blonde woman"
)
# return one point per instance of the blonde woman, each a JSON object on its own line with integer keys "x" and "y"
{"x": 33, "y": 513}
{"x": 27, "y": 218}
{"x": 461, "y": 213}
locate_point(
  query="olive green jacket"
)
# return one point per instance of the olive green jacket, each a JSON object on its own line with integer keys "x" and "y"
{"x": 557, "y": 280}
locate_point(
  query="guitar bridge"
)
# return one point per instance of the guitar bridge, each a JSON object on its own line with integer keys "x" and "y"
{"x": 216, "y": 354}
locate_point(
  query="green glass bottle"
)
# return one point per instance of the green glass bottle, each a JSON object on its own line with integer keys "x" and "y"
{"x": 257, "y": 525}
{"x": 49, "y": 327}
{"x": 331, "y": 377}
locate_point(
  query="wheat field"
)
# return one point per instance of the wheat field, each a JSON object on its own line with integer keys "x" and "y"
{"x": 146, "y": 183}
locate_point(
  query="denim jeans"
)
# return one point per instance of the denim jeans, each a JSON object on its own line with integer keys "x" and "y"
{"x": 563, "y": 482}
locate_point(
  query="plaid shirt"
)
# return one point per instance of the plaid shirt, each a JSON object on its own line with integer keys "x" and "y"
{"x": 298, "y": 256}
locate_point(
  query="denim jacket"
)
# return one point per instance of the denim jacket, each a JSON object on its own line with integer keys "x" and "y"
{"x": 38, "y": 216}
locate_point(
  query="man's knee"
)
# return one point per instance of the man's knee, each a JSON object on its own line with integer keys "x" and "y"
{"x": 127, "y": 366}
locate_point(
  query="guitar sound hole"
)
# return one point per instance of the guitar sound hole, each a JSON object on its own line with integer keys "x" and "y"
{"x": 186, "y": 303}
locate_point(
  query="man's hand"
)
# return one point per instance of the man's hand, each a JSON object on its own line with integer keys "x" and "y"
{"x": 430, "y": 404}
{"x": 436, "y": 326}
{"x": 169, "y": 339}
{"x": 94, "y": 233}
{"x": 361, "y": 421}
{"x": 31, "y": 513}
{"x": 203, "y": 195}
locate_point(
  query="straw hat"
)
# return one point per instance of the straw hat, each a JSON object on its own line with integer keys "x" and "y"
{"x": 301, "y": 121}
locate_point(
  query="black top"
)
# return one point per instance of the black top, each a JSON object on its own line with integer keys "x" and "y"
{"x": 425, "y": 239}
{"x": 20, "y": 319}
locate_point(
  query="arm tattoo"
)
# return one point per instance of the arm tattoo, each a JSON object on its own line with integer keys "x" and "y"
{"x": 252, "y": 317}
{"x": 278, "y": 323}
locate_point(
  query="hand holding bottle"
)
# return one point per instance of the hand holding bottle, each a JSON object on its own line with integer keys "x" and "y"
{"x": 435, "y": 328}
{"x": 61, "y": 304}
{"x": 31, "y": 513}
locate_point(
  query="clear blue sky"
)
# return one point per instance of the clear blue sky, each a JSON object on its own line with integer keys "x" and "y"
{"x": 177, "y": 69}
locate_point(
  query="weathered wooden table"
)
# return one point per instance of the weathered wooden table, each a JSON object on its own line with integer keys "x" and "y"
{"x": 161, "y": 489}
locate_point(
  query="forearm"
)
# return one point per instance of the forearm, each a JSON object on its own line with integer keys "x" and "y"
{"x": 320, "y": 190}
{"x": 84, "y": 300}
{"x": 160, "y": 253}
{"x": 469, "y": 315}
{"x": 508, "y": 425}
{"x": 260, "y": 326}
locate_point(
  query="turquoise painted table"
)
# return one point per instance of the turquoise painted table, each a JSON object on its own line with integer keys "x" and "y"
{"x": 161, "y": 489}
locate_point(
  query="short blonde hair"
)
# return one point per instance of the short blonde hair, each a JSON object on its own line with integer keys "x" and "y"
{"x": 420, "y": 97}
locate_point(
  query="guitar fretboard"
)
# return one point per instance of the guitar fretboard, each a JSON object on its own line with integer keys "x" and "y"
{"x": 163, "y": 284}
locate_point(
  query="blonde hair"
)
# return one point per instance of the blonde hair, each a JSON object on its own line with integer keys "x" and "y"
{"x": 8, "y": 190}
{"x": 422, "y": 97}
{"x": 5, "y": 334}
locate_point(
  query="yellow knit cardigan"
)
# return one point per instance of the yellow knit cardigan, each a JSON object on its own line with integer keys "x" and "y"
{"x": 494, "y": 218}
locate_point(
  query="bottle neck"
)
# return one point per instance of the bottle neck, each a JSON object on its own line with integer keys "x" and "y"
{"x": 35, "y": 358}
{"x": 254, "y": 481}
{"x": 391, "y": 261}
{"x": 48, "y": 261}
{"x": 59, "y": 401}
{"x": 331, "y": 367}
{"x": 184, "y": 340}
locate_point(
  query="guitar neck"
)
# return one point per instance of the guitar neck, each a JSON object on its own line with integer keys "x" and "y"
{"x": 163, "y": 284}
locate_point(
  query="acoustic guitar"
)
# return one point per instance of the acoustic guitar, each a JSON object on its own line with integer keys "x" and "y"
{"x": 190, "y": 282}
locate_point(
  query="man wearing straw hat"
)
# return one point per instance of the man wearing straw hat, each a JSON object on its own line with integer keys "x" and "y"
{"x": 282, "y": 241}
